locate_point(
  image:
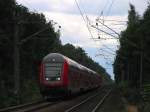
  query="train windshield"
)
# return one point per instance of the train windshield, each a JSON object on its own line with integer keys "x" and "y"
{"x": 53, "y": 71}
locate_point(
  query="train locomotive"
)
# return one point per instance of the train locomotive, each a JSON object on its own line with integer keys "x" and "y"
{"x": 61, "y": 76}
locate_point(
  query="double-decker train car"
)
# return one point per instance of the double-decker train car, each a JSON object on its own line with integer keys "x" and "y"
{"x": 61, "y": 76}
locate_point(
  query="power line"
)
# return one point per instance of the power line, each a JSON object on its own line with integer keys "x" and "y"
{"x": 117, "y": 24}
{"x": 83, "y": 18}
{"x": 32, "y": 36}
{"x": 109, "y": 28}
{"x": 104, "y": 32}
{"x": 107, "y": 51}
{"x": 86, "y": 22}
{"x": 105, "y": 57}
{"x": 101, "y": 13}
{"x": 109, "y": 48}
{"x": 112, "y": 20}
{"x": 110, "y": 7}
{"x": 99, "y": 54}
{"x": 108, "y": 34}
{"x": 98, "y": 39}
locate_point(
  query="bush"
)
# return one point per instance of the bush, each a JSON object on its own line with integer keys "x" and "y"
{"x": 131, "y": 94}
{"x": 30, "y": 91}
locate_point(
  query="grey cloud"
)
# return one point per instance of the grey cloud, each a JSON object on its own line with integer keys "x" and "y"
{"x": 119, "y": 7}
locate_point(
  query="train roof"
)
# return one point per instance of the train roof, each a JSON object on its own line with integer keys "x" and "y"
{"x": 61, "y": 58}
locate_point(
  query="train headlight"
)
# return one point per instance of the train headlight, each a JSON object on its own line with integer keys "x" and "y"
{"x": 58, "y": 78}
{"x": 47, "y": 79}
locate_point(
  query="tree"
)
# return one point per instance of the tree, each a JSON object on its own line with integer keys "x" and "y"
{"x": 134, "y": 59}
{"x": 127, "y": 54}
{"x": 31, "y": 52}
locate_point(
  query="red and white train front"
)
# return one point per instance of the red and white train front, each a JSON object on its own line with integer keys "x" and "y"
{"x": 53, "y": 75}
{"x": 60, "y": 76}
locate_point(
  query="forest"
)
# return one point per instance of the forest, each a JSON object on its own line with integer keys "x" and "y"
{"x": 132, "y": 60}
{"x": 17, "y": 20}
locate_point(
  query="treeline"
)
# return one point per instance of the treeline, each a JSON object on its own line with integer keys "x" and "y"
{"x": 31, "y": 50}
{"x": 132, "y": 63}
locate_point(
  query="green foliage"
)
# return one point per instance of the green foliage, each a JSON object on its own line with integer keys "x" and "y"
{"x": 134, "y": 42}
{"x": 133, "y": 17}
{"x": 127, "y": 66}
{"x": 31, "y": 52}
{"x": 132, "y": 95}
{"x": 32, "y": 91}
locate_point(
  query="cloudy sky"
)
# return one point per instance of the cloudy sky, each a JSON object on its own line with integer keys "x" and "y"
{"x": 74, "y": 27}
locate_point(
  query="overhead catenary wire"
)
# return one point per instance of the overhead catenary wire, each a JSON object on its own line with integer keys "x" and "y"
{"x": 107, "y": 51}
{"x": 114, "y": 20}
{"x": 104, "y": 32}
{"x": 103, "y": 45}
{"x": 105, "y": 24}
{"x": 109, "y": 9}
{"x": 86, "y": 20}
{"x": 33, "y": 35}
{"x": 109, "y": 48}
{"x": 83, "y": 18}
{"x": 105, "y": 56}
{"x": 101, "y": 13}
{"x": 109, "y": 28}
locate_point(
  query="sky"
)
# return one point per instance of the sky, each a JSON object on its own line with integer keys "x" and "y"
{"x": 81, "y": 19}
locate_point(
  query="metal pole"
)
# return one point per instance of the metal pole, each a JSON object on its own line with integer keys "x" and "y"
{"x": 141, "y": 68}
{"x": 16, "y": 60}
{"x": 128, "y": 72}
{"x": 141, "y": 63}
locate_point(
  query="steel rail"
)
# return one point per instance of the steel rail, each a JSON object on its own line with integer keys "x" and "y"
{"x": 84, "y": 101}
{"x": 101, "y": 101}
{"x": 37, "y": 107}
{"x": 20, "y": 106}
{"x": 29, "y": 107}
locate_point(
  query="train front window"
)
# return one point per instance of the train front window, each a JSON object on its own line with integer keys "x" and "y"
{"x": 53, "y": 71}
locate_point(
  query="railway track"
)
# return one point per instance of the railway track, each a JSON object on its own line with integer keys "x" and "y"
{"x": 30, "y": 107}
{"x": 92, "y": 103}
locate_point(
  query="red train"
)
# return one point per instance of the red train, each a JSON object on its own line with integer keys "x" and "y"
{"x": 60, "y": 75}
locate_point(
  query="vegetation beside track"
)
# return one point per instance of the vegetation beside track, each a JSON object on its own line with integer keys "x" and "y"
{"x": 135, "y": 98}
{"x": 132, "y": 63}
